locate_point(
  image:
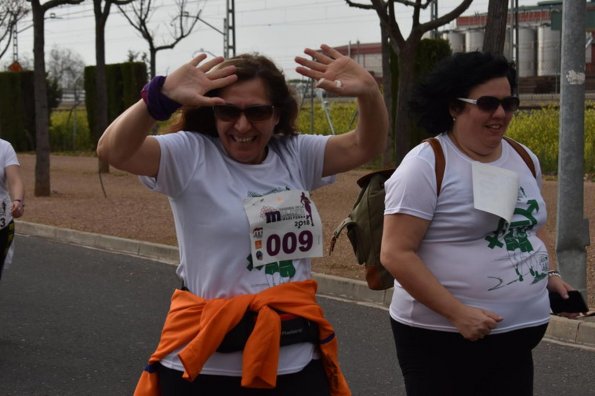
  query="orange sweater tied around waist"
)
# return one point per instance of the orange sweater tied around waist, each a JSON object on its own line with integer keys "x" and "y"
{"x": 202, "y": 324}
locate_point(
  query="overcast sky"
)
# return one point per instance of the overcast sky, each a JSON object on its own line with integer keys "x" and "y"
{"x": 280, "y": 29}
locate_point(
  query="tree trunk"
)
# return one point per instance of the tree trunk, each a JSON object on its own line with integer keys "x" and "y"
{"x": 153, "y": 55}
{"x": 387, "y": 83}
{"x": 42, "y": 146}
{"x": 403, "y": 127}
{"x": 101, "y": 116}
{"x": 495, "y": 32}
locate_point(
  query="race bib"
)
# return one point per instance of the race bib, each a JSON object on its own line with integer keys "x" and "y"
{"x": 5, "y": 212}
{"x": 283, "y": 226}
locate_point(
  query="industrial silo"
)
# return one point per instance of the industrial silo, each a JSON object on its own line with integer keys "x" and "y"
{"x": 548, "y": 51}
{"x": 588, "y": 47}
{"x": 456, "y": 40}
{"x": 508, "y": 45}
{"x": 527, "y": 63}
{"x": 473, "y": 40}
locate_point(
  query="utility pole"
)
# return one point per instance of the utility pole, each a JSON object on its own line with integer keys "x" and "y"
{"x": 434, "y": 16}
{"x": 515, "y": 32}
{"x": 572, "y": 227}
{"x": 15, "y": 43}
{"x": 230, "y": 29}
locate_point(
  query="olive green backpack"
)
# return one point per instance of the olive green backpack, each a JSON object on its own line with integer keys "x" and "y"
{"x": 364, "y": 223}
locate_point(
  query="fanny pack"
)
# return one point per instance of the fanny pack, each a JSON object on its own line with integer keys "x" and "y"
{"x": 294, "y": 329}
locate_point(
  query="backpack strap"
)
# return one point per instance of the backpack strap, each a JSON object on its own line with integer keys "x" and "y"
{"x": 523, "y": 153}
{"x": 346, "y": 221}
{"x": 439, "y": 164}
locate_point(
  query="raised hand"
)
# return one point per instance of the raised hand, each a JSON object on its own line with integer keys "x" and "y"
{"x": 337, "y": 73}
{"x": 189, "y": 83}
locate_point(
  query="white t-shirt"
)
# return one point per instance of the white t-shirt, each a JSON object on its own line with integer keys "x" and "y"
{"x": 8, "y": 157}
{"x": 206, "y": 189}
{"x": 483, "y": 261}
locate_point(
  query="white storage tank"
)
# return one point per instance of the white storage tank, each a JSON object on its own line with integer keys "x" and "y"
{"x": 588, "y": 49}
{"x": 474, "y": 40}
{"x": 508, "y": 46}
{"x": 527, "y": 63}
{"x": 548, "y": 51}
{"x": 456, "y": 40}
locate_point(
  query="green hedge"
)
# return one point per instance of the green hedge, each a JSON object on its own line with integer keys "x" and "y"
{"x": 124, "y": 82}
{"x": 17, "y": 109}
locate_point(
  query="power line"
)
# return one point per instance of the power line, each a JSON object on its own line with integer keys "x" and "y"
{"x": 320, "y": 15}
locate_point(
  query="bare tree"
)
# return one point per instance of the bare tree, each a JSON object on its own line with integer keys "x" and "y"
{"x": 42, "y": 136}
{"x": 180, "y": 25}
{"x": 405, "y": 48}
{"x": 66, "y": 67}
{"x": 495, "y": 31}
{"x": 11, "y": 12}
{"x": 101, "y": 9}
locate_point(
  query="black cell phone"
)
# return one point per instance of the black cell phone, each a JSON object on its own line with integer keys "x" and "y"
{"x": 574, "y": 303}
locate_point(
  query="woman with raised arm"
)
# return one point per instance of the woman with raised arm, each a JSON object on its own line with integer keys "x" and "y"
{"x": 238, "y": 177}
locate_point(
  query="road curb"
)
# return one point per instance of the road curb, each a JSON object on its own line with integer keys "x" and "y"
{"x": 580, "y": 332}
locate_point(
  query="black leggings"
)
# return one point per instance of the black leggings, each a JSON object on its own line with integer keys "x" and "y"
{"x": 310, "y": 381}
{"x": 445, "y": 363}
{"x": 6, "y": 237}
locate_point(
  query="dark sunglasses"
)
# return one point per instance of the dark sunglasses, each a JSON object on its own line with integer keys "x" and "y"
{"x": 491, "y": 103}
{"x": 252, "y": 113}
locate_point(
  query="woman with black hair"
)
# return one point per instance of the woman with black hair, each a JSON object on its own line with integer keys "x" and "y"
{"x": 471, "y": 266}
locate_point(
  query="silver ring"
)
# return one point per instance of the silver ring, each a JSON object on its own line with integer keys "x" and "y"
{"x": 338, "y": 83}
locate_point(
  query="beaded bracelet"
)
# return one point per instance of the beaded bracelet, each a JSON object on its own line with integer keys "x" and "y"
{"x": 553, "y": 273}
{"x": 159, "y": 106}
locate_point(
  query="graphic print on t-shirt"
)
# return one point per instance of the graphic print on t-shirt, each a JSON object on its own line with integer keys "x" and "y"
{"x": 526, "y": 266}
{"x": 276, "y": 273}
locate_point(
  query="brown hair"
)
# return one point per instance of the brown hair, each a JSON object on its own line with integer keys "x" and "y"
{"x": 248, "y": 66}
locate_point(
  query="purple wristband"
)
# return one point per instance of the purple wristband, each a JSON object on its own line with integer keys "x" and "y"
{"x": 160, "y": 107}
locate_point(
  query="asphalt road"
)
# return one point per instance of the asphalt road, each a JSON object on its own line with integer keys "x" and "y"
{"x": 78, "y": 321}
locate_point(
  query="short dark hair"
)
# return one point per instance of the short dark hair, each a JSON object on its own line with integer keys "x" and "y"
{"x": 452, "y": 78}
{"x": 248, "y": 67}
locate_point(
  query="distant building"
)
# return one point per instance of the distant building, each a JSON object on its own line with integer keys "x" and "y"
{"x": 538, "y": 40}
{"x": 369, "y": 55}
{"x": 537, "y": 47}
{"x": 533, "y": 39}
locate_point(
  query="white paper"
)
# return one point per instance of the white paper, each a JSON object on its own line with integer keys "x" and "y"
{"x": 495, "y": 190}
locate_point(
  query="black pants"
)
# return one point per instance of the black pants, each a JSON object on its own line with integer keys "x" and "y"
{"x": 311, "y": 381}
{"x": 6, "y": 237}
{"x": 444, "y": 363}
